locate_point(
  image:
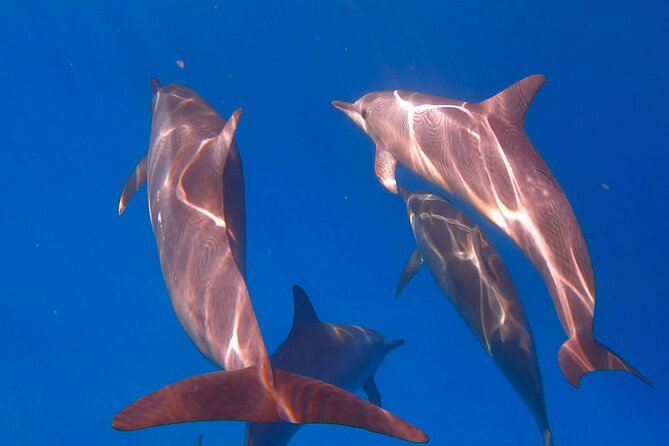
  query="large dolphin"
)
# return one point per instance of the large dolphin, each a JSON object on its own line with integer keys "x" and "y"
{"x": 346, "y": 356}
{"x": 479, "y": 152}
{"x": 471, "y": 273}
{"x": 196, "y": 204}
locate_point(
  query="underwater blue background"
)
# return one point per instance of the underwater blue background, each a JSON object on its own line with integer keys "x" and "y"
{"x": 86, "y": 325}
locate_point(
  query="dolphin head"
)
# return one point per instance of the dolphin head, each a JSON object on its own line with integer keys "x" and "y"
{"x": 375, "y": 113}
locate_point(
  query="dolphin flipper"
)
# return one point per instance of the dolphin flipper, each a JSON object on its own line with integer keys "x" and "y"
{"x": 372, "y": 391}
{"x": 385, "y": 164}
{"x": 410, "y": 269}
{"x": 137, "y": 178}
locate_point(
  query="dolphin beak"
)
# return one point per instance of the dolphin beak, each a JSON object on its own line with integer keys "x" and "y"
{"x": 351, "y": 111}
{"x": 392, "y": 345}
{"x": 346, "y": 107}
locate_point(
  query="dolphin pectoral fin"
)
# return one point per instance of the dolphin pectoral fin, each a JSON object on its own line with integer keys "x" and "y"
{"x": 230, "y": 395}
{"x": 384, "y": 167}
{"x": 372, "y": 391}
{"x": 137, "y": 178}
{"x": 306, "y": 400}
{"x": 410, "y": 269}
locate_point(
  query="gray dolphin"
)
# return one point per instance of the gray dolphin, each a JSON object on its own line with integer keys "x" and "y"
{"x": 196, "y": 203}
{"x": 479, "y": 152}
{"x": 346, "y": 356}
{"x": 471, "y": 273}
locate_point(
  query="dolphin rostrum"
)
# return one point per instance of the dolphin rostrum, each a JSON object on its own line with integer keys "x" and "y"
{"x": 346, "y": 356}
{"x": 196, "y": 204}
{"x": 479, "y": 152}
{"x": 471, "y": 273}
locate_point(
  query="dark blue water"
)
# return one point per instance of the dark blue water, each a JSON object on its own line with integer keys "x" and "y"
{"x": 86, "y": 325}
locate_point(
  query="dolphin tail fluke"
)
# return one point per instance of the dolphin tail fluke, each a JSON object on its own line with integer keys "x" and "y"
{"x": 230, "y": 395}
{"x": 578, "y": 357}
{"x": 240, "y": 395}
{"x": 305, "y": 400}
{"x": 137, "y": 178}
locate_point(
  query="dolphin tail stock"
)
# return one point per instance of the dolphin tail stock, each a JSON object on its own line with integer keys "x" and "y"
{"x": 578, "y": 357}
{"x": 306, "y": 400}
{"x": 241, "y": 395}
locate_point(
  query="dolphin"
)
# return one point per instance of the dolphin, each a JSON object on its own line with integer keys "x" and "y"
{"x": 346, "y": 356}
{"x": 471, "y": 273}
{"x": 196, "y": 203}
{"x": 479, "y": 152}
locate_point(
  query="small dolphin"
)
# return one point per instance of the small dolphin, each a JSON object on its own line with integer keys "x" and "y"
{"x": 346, "y": 356}
{"x": 471, "y": 273}
{"x": 196, "y": 203}
{"x": 479, "y": 152}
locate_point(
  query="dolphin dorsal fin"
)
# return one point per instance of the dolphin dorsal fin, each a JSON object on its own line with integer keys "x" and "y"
{"x": 512, "y": 104}
{"x": 304, "y": 315}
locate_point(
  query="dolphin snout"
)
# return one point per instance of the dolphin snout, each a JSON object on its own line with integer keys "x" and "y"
{"x": 392, "y": 345}
{"x": 351, "y": 110}
{"x": 346, "y": 107}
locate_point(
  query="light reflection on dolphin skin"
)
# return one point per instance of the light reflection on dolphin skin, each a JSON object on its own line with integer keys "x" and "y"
{"x": 196, "y": 203}
{"x": 479, "y": 152}
{"x": 346, "y": 356}
{"x": 471, "y": 273}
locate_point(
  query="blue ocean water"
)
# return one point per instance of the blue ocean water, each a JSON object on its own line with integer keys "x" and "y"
{"x": 86, "y": 325}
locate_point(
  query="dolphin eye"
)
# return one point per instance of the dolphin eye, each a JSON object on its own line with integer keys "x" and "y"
{"x": 363, "y": 113}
